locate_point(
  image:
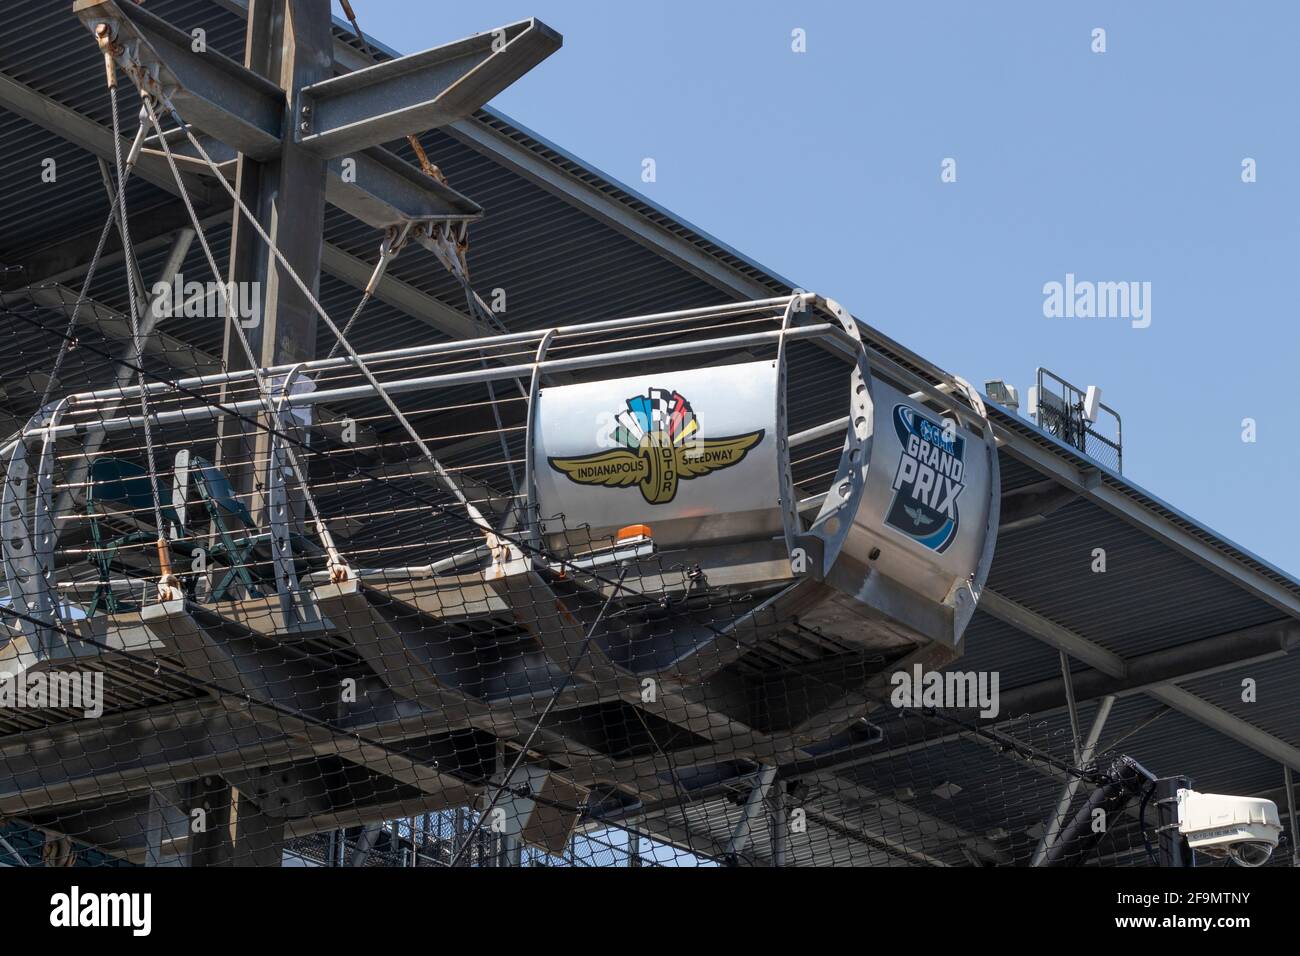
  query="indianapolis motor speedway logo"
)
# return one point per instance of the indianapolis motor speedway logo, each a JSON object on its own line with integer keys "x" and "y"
{"x": 928, "y": 480}
{"x": 658, "y": 445}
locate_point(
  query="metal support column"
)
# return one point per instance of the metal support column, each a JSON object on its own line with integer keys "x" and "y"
{"x": 1072, "y": 785}
{"x": 288, "y": 42}
{"x": 753, "y": 808}
{"x": 780, "y": 827}
{"x": 157, "y": 832}
{"x": 1071, "y": 705}
{"x": 458, "y": 835}
{"x": 365, "y": 843}
{"x": 1290, "y": 813}
{"x": 1173, "y": 847}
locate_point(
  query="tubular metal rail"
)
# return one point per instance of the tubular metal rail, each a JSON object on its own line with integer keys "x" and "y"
{"x": 1058, "y": 409}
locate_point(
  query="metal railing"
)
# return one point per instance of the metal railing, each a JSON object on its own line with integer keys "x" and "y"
{"x": 1059, "y": 410}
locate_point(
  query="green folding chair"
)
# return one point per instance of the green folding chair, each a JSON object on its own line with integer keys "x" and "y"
{"x": 120, "y": 489}
{"x": 237, "y": 535}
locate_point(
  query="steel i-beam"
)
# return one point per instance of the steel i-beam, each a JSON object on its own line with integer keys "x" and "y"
{"x": 342, "y": 120}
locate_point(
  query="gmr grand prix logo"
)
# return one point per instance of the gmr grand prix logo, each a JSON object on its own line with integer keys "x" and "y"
{"x": 928, "y": 479}
{"x": 661, "y": 445}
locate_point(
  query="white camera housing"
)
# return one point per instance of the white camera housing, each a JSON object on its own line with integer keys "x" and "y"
{"x": 1243, "y": 829}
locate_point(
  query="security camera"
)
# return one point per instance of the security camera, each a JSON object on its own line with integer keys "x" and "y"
{"x": 1243, "y": 829}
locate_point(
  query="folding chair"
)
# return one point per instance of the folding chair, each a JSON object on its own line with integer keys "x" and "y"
{"x": 237, "y": 535}
{"x": 121, "y": 489}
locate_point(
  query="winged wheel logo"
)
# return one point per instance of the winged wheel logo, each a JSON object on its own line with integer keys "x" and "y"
{"x": 659, "y": 446}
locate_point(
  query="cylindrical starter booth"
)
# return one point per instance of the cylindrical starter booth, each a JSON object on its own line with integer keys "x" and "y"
{"x": 869, "y": 511}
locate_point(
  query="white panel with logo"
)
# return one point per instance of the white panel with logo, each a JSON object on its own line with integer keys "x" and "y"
{"x": 691, "y": 453}
{"x": 927, "y": 514}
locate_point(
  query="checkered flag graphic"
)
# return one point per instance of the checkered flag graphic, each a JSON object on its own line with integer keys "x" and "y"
{"x": 661, "y": 403}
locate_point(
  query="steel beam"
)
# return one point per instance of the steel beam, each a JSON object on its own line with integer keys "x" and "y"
{"x": 287, "y": 46}
{"x": 54, "y": 767}
{"x": 114, "y": 325}
{"x": 373, "y": 185}
{"x": 209, "y": 649}
{"x": 210, "y": 89}
{"x": 1108, "y": 662}
{"x": 753, "y": 810}
{"x": 1227, "y": 724}
{"x": 270, "y": 681}
{"x": 895, "y": 850}
{"x": 675, "y": 705}
{"x": 1063, "y": 639}
{"x": 1072, "y": 785}
{"x": 66, "y": 261}
{"x": 378, "y": 811}
{"x": 382, "y": 190}
{"x": 80, "y": 130}
{"x": 779, "y": 827}
{"x": 676, "y": 832}
{"x": 701, "y": 711}
{"x": 1026, "y": 507}
{"x": 247, "y": 112}
{"x": 284, "y": 189}
{"x": 49, "y": 766}
{"x": 419, "y": 92}
{"x": 1184, "y": 662}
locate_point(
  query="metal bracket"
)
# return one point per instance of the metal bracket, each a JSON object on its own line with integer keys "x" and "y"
{"x": 816, "y": 547}
{"x": 968, "y": 593}
{"x": 296, "y": 611}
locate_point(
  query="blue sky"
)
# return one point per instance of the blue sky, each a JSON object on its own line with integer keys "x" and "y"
{"x": 1118, "y": 166}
